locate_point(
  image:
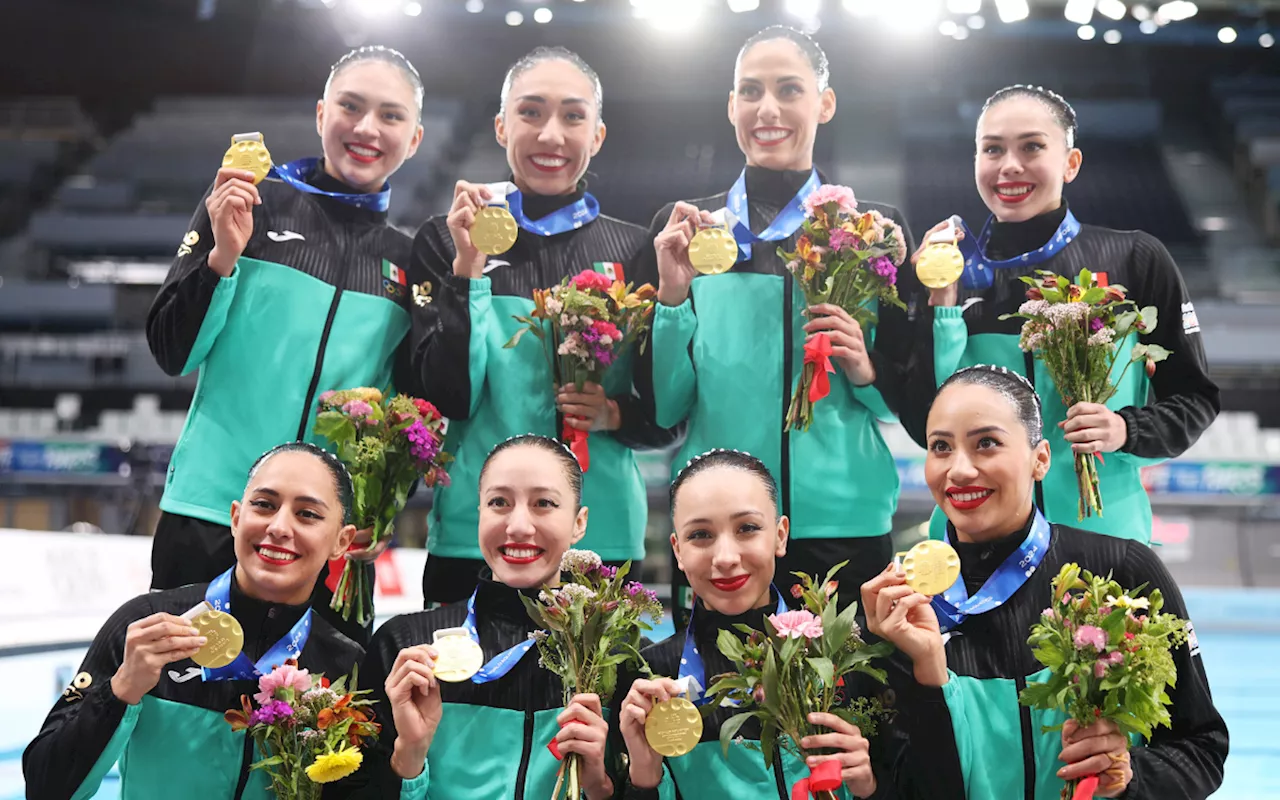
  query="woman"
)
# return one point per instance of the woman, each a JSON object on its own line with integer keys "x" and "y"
{"x": 550, "y": 126}
{"x": 727, "y": 350}
{"x": 298, "y": 277}
{"x": 728, "y": 538}
{"x": 140, "y": 700}
{"x": 985, "y": 438}
{"x": 488, "y": 736}
{"x": 1026, "y": 153}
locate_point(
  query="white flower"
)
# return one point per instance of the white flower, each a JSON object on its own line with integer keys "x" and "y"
{"x": 1060, "y": 313}
{"x": 1125, "y": 601}
{"x": 1101, "y": 337}
{"x": 537, "y": 636}
{"x": 579, "y": 561}
{"x": 554, "y": 306}
{"x": 1033, "y": 307}
{"x": 575, "y": 591}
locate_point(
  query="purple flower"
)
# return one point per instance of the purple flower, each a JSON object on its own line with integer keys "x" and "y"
{"x": 271, "y": 713}
{"x": 357, "y": 409}
{"x": 607, "y": 572}
{"x": 1096, "y": 324}
{"x": 1091, "y": 636}
{"x": 882, "y": 266}
{"x": 422, "y": 445}
{"x": 840, "y": 239}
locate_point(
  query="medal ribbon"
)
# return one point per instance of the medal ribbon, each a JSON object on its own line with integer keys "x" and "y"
{"x": 295, "y": 173}
{"x": 218, "y": 595}
{"x": 562, "y": 220}
{"x": 691, "y": 665}
{"x": 979, "y": 272}
{"x": 503, "y": 662}
{"x": 955, "y": 605}
{"x": 786, "y": 223}
{"x": 826, "y": 777}
{"x": 817, "y": 351}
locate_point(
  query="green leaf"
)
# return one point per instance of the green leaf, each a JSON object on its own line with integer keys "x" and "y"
{"x": 731, "y": 727}
{"x": 768, "y": 736}
{"x": 825, "y": 669}
{"x": 1094, "y": 295}
{"x": 730, "y": 646}
{"x": 1157, "y": 353}
{"x": 515, "y": 339}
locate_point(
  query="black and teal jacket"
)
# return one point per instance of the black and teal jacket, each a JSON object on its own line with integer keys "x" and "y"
{"x": 491, "y": 393}
{"x": 492, "y": 739}
{"x": 723, "y": 365}
{"x": 175, "y": 743}
{"x": 1186, "y": 399}
{"x": 311, "y": 305}
{"x": 1002, "y": 755}
{"x": 707, "y": 772}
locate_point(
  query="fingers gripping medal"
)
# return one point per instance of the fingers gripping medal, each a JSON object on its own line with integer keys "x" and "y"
{"x": 674, "y": 727}
{"x": 458, "y": 656}
{"x": 248, "y": 152}
{"x": 494, "y": 230}
{"x": 941, "y": 263}
{"x": 931, "y": 566}
{"x": 223, "y": 632}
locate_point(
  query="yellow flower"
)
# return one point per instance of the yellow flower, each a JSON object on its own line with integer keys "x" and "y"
{"x": 330, "y": 767}
{"x": 370, "y": 396}
{"x": 1125, "y": 601}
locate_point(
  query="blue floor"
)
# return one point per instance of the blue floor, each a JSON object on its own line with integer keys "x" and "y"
{"x": 1244, "y": 673}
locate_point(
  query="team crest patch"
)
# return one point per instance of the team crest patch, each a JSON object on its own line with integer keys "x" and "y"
{"x": 1190, "y": 322}
{"x": 393, "y": 279}
{"x": 75, "y": 692}
{"x": 610, "y": 269}
{"x": 422, "y": 293}
{"x": 189, "y": 241}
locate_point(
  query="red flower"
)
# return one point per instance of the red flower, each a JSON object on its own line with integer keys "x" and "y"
{"x": 428, "y": 411}
{"x": 797, "y": 591}
{"x": 1114, "y": 294}
{"x": 1034, "y": 293}
{"x": 1128, "y": 635}
{"x": 1073, "y": 292}
{"x": 1151, "y": 368}
{"x": 588, "y": 279}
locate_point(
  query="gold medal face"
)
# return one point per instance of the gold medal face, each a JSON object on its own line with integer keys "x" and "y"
{"x": 674, "y": 727}
{"x": 250, "y": 155}
{"x": 931, "y": 567}
{"x": 713, "y": 251}
{"x": 494, "y": 231}
{"x": 940, "y": 265}
{"x": 458, "y": 657}
{"x": 226, "y": 639}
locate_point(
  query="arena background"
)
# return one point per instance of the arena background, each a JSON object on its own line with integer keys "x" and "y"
{"x": 114, "y": 116}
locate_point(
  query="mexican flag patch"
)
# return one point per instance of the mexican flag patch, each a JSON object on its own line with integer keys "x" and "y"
{"x": 393, "y": 273}
{"x": 610, "y": 269}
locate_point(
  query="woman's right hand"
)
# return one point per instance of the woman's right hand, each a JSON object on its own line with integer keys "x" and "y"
{"x": 151, "y": 644}
{"x": 230, "y": 206}
{"x": 468, "y": 200}
{"x": 414, "y": 696}
{"x": 645, "y": 762}
{"x": 675, "y": 272}
{"x": 949, "y": 295}
{"x": 899, "y": 614}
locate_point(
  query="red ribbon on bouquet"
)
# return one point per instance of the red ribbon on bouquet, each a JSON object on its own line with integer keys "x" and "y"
{"x": 577, "y": 441}
{"x": 554, "y": 746}
{"x": 817, "y": 351}
{"x": 337, "y": 565}
{"x": 1085, "y": 788}
{"x": 823, "y": 778}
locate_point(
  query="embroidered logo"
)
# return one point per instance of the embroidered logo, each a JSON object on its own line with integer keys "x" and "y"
{"x": 1190, "y": 322}
{"x": 494, "y": 264}
{"x": 189, "y": 241}
{"x": 191, "y": 673}
{"x": 75, "y": 692}
{"x": 393, "y": 279}
{"x": 285, "y": 236}
{"x": 610, "y": 269}
{"x": 1192, "y": 641}
{"x": 422, "y": 293}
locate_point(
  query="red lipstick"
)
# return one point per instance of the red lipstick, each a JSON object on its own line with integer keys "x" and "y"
{"x": 731, "y": 584}
{"x": 974, "y": 496}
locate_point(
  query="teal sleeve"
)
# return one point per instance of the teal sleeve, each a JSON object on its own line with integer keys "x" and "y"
{"x": 480, "y": 303}
{"x": 110, "y": 755}
{"x": 674, "y": 381}
{"x": 950, "y": 336}
{"x": 416, "y": 788}
{"x": 214, "y": 320}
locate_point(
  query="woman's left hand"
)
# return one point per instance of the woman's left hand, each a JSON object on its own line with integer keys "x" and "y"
{"x": 363, "y": 551}
{"x": 847, "y": 345}
{"x": 854, "y": 755}
{"x": 589, "y": 409}
{"x": 1094, "y": 428}
{"x": 1100, "y": 749}
{"x": 587, "y": 740}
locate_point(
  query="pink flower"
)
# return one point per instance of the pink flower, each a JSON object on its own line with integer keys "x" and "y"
{"x": 797, "y": 624}
{"x": 605, "y": 328}
{"x": 1049, "y": 613}
{"x": 1091, "y": 636}
{"x": 588, "y": 279}
{"x": 840, "y": 239}
{"x": 842, "y": 196}
{"x": 286, "y": 676}
{"x": 357, "y": 409}
{"x": 1099, "y": 668}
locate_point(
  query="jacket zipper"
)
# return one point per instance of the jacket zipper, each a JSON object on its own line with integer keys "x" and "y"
{"x": 1028, "y": 747}
{"x": 784, "y": 469}
{"x": 1029, "y": 362}
{"x": 245, "y": 760}
{"x": 315, "y": 376}
{"x": 777, "y": 773}
{"x": 524, "y": 754}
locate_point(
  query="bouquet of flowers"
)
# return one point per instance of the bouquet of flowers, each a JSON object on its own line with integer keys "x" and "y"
{"x": 585, "y": 323}
{"x": 591, "y": 626}
{"x": 796, "y": 666}
{"x": 1111, "y": 656}
{"x": 308, "y": 731}
{"x": 387, "y": 444}
{"x": 847, "y": 259}
{"x": 1075, "y": 329}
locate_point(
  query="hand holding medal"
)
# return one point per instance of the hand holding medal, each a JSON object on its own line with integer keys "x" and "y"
{"x": 939, "y": 262}
{"x": 151, "y": 644}
{"x": 478, "y": 229}
{"x": 656, "y": 722}
{"x": 230, "y": 204}
{"x": 675, "y": 251}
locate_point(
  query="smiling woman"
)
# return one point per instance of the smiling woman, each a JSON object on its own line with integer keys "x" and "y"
{"x": 135, "y": 703}
{"x": 272, "y": 261}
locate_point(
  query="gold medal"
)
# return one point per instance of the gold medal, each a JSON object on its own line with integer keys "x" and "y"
{"x": 226, "y": 639}
{"x": 932, "y": 567}
{"x": 248, "y": 152}
{"x": 458, "y": 657}
{"x": 940, "y": 265}
{"x": 713, "y": 251}
{"x": 674, "y": 727}
{"x": 494, "y": 230}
